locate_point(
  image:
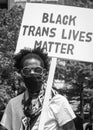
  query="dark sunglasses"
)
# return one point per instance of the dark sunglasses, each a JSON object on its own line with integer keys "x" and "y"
{"x": 27, "y": 71}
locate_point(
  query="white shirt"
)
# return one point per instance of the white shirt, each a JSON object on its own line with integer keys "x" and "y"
{"x": 59, "y": 112}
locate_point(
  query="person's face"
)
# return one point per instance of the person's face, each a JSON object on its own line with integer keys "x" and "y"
{"x": 32, "y": 74}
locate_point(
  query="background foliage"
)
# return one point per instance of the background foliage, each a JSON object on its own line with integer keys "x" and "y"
{"x": 10, "y": 21}
{"x": 77, "y": 75}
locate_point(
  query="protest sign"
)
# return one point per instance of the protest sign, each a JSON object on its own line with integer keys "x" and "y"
{"x": 62, "y": 31}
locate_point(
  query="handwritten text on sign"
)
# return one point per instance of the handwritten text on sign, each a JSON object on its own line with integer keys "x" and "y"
{"x": 63, "y": 31}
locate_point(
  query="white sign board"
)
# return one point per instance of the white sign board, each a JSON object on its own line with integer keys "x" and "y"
{"x": 63, "y": 31}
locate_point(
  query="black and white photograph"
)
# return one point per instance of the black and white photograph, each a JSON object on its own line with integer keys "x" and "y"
{"x": 46, "y": 65}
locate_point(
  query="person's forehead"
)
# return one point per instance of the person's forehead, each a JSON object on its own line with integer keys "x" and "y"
{"x": 32, "y": 61}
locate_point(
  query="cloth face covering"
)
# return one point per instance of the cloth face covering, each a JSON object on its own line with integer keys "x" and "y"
{"x": 33, "y": 83}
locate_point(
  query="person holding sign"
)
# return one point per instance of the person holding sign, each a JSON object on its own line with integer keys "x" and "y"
{"x": 23, "y": 112}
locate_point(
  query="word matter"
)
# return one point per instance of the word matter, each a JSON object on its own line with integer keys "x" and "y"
{"x": 55, "y": 47}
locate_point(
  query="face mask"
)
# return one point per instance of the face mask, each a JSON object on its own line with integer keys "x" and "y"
{"x": 33, "y": 83}
{"x": 33, "y": 77}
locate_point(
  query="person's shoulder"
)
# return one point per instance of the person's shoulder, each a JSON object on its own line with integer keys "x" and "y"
{"x": 58, "y": 98}
{"x": 16, "y": 99}
{"x": 59, "y": 104}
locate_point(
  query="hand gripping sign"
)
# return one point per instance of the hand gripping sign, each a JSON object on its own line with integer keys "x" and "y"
{"x": 63, "y": 31}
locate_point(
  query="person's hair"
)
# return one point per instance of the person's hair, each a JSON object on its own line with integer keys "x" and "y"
{"x": 39, "y": 54}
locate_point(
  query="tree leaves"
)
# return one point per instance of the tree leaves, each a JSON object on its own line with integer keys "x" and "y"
{"x": 10, "y": 21}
